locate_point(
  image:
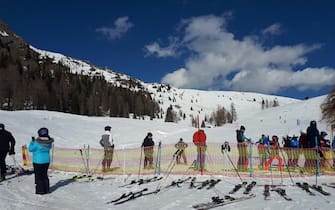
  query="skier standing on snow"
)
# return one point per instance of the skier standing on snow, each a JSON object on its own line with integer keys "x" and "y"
{"x": 40, "y": 148}
{"x": 148, "y": 149}
{"x": 7, "y": 144}
{"x": 325, "y": 149}
{"x": 333, "y": 148}
{"x": 242, "y": 146}
{"x": 107, "y": 143}
{"x": 313, "y": 139}
{"x": 263, "y": 150}
{"x": 181, "y": 146}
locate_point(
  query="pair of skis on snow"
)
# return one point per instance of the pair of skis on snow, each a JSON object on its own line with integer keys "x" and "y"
{"x": 227, "y": 199}
{"x": 306, "y": 187}
{"x": 125, "y": 197}
{"x": 279, "y": 190}
{"x": 247, "y": 190}
{"x": 207, "y": 184}
{"x": 142, "y": 181}
{"x": 217, "y": 201}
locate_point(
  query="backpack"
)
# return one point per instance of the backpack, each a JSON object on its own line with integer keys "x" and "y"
{"x": 239, "y": 136}
{"x": 294, "y": 143}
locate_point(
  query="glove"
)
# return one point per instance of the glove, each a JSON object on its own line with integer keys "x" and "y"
{"x": 11, "y": 153}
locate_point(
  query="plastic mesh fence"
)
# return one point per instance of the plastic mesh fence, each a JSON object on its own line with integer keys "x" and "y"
{"x": 264, "y": 162}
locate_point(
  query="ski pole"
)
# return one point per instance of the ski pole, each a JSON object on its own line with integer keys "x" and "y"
{"x": 82, "y": 158}
{"x": 225, "y": 148}
{"x": 170, "y": 167}
{"x": 281, "y": 173}
{"x": 52, "y": 156}
{"x": 157, "y": 168}
{"x": 139, "y": 168}
{"x": 117, "y": 158}
{"x": 288, "y": 169}
{"x": 317, "y": 161}
{"x": 270, "y": 166}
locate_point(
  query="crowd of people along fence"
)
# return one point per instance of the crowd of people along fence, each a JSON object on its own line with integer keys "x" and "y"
{"x": 309, "y": 153}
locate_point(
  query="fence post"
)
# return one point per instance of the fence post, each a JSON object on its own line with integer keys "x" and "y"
{"x": 250, "y": 159}
{"x": 124, "y": 160}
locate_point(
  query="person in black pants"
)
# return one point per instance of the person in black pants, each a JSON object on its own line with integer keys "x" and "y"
{"x": 40, "y": 148}
{"x": 7, "y": 144}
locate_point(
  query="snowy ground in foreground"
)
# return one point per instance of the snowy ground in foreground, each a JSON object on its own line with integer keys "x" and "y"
{"x": 72, "y": 131}
{"x": 18, "y": 193}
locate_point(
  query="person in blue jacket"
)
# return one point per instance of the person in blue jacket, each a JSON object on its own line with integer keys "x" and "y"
{"x": 40, "y": 148}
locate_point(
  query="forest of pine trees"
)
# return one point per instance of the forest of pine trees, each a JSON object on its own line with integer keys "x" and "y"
{"x": 28, "y": 82}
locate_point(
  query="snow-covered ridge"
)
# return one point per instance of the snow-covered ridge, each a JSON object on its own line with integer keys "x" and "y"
{"x": 188, "y": 101}
{"x": 3, "y": 33}
{"x": 85, "y": 68}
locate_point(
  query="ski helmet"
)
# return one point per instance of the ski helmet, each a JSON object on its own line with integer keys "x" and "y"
{"x": 2, "y": 126}
{"x": 43, "y": 132}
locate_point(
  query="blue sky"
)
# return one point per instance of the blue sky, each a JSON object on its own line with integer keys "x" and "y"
{"x": 278, "y": 47}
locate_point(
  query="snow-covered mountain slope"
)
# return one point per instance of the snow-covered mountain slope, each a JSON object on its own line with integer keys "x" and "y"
{"x": 188, "y": 101}
{"x": 74, "y": 130}
{"x": 82, "y": 67}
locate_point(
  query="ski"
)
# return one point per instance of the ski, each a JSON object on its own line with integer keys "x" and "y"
{"x": 329, "y": 185}
{"x": 142, "y": 181}
{"x": 217, "y": 201}
{"x": 249, "y": 187}
{"x": 24, "y": 172}
{"x": 124, "y": 195}
{"x": 282, "y": 192}
{"x": 320, "y": 190}
{"x": 192, "y": 183}
{"x": 204, "y": 184}
{"x": 305, "y": 187}
{"x": 238, "y": 187}
{"x": 135, "y": 195}
{"x": 178, "y": 182}
{"x": 87, "y": 178}
{"x": 213, "y": 183}
{"x": 266, "y": 192}
{"x": 127, "y": 196}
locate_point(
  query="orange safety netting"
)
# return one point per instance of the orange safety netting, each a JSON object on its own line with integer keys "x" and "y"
{"x": 264, "y": 162}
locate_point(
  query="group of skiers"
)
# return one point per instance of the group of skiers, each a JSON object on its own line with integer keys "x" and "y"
{"x": 40, "y": 147}
{"x": 107, "y": 142}
{"x": 268, "y": 149}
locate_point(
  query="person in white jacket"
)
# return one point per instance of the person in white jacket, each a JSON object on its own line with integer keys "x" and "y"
{"x": 107, "y": 143}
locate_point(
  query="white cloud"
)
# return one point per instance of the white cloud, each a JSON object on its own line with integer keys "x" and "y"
{"x": 121, "y": 26}
{"x": 155, "y": 49}
{"x": 242, "y": 64}
{"x": 274, "y": 29}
